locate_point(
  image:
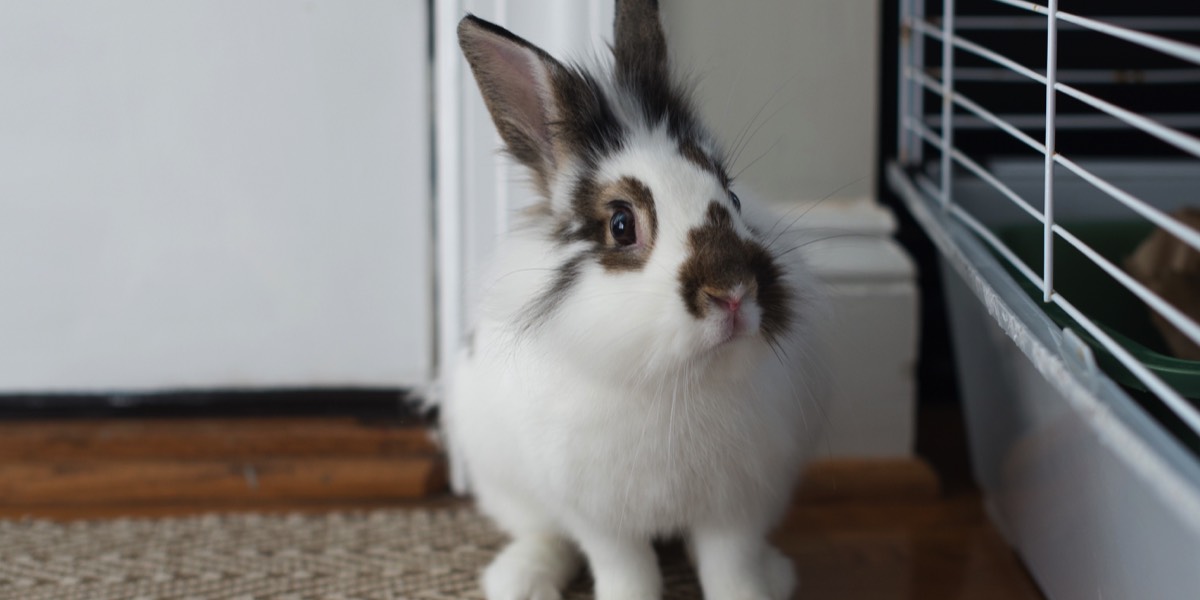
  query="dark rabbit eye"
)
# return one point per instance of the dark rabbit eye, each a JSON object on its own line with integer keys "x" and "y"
{"x": 622, "y": 227}
{"x": 737, "y": 202}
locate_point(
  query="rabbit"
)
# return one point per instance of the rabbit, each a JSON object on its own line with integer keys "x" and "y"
{"x": 643, "y": 365}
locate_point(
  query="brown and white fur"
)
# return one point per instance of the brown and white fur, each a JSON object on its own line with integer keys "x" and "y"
{"x": 642, "y": 366}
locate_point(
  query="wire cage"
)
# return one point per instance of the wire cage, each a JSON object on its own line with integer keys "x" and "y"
{"x": 1046, "y": 150}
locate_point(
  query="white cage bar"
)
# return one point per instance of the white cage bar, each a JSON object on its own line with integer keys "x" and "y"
{"x": 947, "y": 138}
{"x": 1048, "y": 152}
{"x": 913, "y": 77}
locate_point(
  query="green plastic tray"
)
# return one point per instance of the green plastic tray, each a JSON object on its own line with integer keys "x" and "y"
{"x": 1115, "y": 309}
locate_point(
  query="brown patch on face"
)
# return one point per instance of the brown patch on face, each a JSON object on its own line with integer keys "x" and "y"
{"x": 694, "y": 153}
{"x": 720, "y": 260}
{"x": 593, "y": 205}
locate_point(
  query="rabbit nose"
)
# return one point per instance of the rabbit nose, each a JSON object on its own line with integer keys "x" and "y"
{"x": 729, "y": 300}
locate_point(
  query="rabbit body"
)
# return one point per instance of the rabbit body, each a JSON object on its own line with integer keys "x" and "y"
{"x": 643, "y": 362}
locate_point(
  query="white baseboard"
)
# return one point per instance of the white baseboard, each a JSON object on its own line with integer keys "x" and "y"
{"x": 875, "y": 302}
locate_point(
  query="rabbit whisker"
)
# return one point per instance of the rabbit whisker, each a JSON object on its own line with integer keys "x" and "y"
{"x": 822, "y": 239}
{"x": 742, "y": 138}
{"x": 810, "y": 207}
{"x": 750, "y": 138}
{"x": 757, "y": 158}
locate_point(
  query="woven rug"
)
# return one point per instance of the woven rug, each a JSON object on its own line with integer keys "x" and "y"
{"x": 385, "y": 555}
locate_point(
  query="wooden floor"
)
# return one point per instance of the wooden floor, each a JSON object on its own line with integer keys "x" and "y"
{"x": 859, "y": 529}
{"x": 901, "y": 548}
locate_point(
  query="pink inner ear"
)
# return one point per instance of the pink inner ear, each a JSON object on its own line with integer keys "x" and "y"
{"x": 519, "y": 77}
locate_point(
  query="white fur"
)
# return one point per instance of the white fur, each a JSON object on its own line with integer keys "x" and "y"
{"x": 621, "y": 418}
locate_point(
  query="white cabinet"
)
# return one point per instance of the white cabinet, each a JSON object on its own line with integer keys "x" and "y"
{"x": 214, "y": 194}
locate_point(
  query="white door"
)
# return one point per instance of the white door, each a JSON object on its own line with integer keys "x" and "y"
{"x": 214, "y": 194}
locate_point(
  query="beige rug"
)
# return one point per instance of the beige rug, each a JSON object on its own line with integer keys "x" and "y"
{"x": 385, "y": 555}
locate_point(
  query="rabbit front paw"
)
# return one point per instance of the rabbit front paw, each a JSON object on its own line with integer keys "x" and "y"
{"x": 531, "y": 568}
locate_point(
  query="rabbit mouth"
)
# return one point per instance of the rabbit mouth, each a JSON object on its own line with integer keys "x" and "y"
{"x": 732, "y": 324}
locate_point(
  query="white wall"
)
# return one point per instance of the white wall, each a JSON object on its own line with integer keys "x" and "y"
{"x": 213, "y": 193}
{"x": 807, "y": 70}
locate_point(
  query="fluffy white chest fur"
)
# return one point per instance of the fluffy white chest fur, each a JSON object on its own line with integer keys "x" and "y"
{"x": 644, "y": 456}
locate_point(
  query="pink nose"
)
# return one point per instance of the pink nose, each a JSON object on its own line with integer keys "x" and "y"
{"x": 728, "y": 302}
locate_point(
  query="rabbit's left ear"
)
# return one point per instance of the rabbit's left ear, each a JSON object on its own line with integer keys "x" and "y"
{"x": 638, "y": 41}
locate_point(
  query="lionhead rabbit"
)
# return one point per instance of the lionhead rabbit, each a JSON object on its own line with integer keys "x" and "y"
{"x": 642, "y": 363}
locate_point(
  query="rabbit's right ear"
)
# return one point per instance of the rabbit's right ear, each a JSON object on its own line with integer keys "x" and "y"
{"x": 517, "y": 82}
{"x": 638, "y": 41}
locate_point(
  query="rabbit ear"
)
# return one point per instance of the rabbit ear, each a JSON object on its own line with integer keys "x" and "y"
{"x": 516, "y": 79}
{"x": 640, "y": 49}
{"x": 639, "y": 43}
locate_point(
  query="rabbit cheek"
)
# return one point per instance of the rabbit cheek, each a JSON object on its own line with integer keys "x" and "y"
{"x": 774, "y": 295}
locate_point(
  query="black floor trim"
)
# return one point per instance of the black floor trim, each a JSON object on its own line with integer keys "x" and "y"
{"x": 381, "y": 403}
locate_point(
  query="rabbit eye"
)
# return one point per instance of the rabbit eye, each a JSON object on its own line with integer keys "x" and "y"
{"x": 737, "y": 202}
{"x": 622, "y": 226}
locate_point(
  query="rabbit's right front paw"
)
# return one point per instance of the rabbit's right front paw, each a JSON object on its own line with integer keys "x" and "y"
{"x": 634, "y": 592}
{"x": 531, "y": 568}
{"x": 781, "y": 575}
{"x": 501, "y": 583}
